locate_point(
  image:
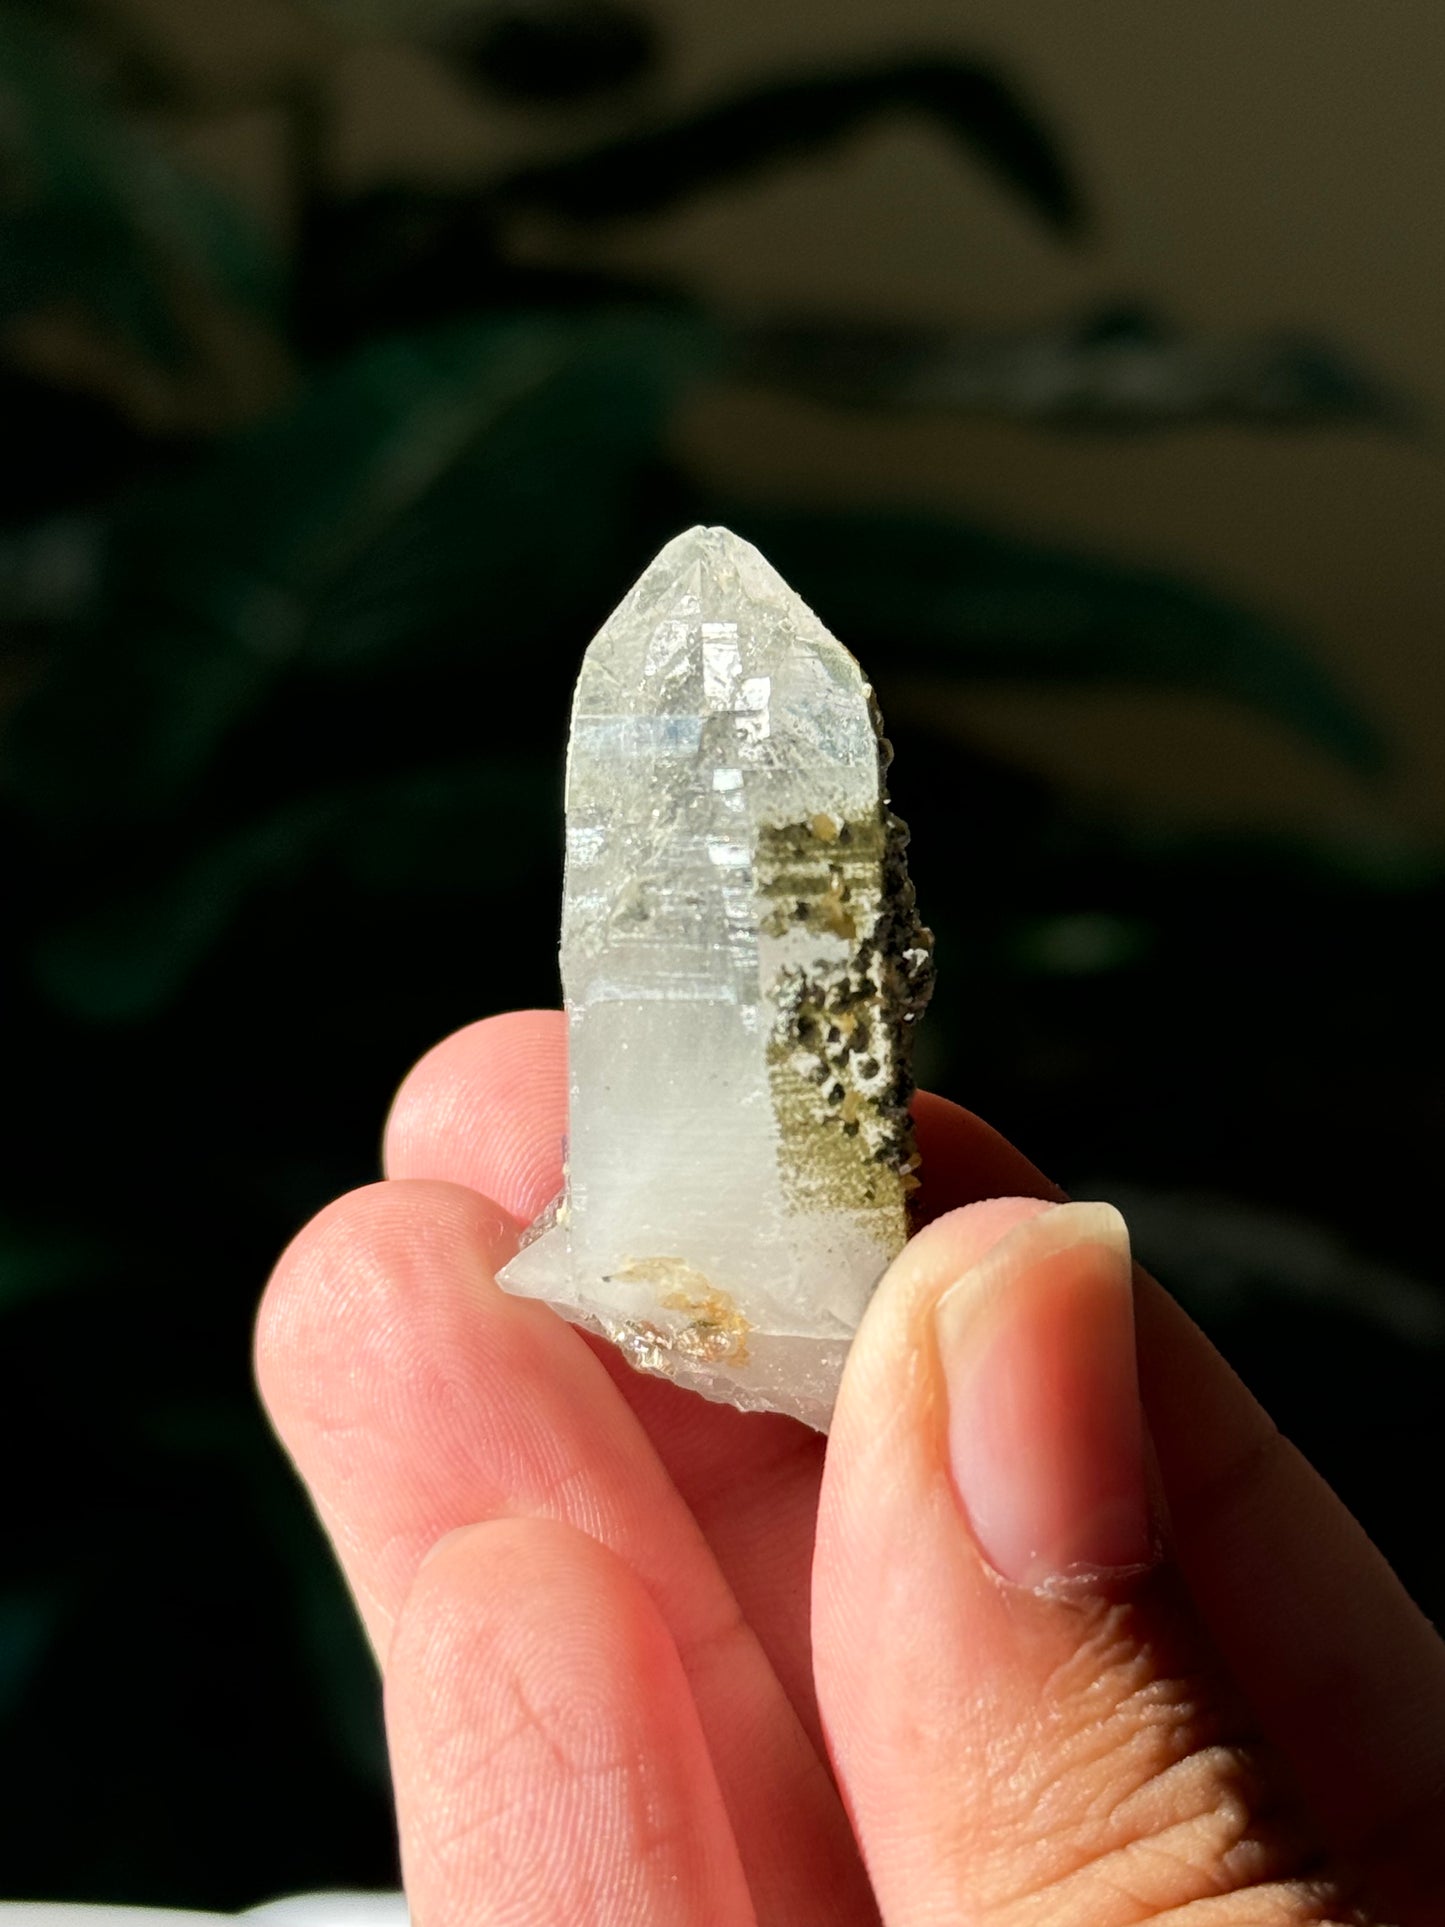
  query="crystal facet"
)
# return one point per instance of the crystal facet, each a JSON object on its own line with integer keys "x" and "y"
{"x": 742, "y": 967}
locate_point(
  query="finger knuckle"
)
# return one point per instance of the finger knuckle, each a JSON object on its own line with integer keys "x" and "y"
{"x": 1156, "y": 1810}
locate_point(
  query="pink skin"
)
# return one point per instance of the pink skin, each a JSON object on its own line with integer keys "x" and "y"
{"x": 1067, "y": 1658}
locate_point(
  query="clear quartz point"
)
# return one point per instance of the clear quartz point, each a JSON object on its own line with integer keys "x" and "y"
{"x": 742, "y": 966}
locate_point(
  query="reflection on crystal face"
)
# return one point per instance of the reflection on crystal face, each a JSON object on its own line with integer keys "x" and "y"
{"x": 742, "y": 967}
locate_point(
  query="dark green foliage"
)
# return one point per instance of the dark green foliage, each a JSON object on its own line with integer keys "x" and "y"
{"x": 103, "y": 218}
{"x": 552, "y": 51}
{"x": 655, "y": 168}
{"x": 279, "y": 797}
{"x": 933, "y": 597}
{"x": 1125, "y": 369}
{"x": 408, "y": 498}
{"x": 410, "y": 253}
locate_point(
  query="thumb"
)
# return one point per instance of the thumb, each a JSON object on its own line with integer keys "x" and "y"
{"x": 1026, "y": 1717}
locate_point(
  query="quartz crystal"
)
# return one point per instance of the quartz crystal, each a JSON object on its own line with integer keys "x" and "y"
{"x": 742, "y": 967}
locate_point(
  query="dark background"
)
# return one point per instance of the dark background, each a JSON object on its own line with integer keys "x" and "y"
{"x": 353, "y": 361}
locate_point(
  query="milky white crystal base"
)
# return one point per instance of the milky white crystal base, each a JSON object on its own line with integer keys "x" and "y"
{"x": 711, "y": 706}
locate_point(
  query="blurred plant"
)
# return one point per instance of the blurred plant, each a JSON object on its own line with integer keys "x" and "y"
{"x": 1124, "y": 368}
{"x": 553, "y": 51}
{"x": 285, "y": 666}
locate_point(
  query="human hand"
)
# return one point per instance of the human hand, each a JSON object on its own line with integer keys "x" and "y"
{"x": 1056, "y": 1690}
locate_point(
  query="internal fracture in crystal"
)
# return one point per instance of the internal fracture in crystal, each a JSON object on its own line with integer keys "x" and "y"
{"x": 743, "y": 967}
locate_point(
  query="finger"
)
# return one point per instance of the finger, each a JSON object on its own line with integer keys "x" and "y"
{"x": 1343, "y": 1668}
{"x": 548, "y": 1759}
{"x": 750, "y": 1481}
{"x": 965, "y": 1160}
{"x": 1028, "y": 1723}
{"x": 415, "y": 1397}
{"x": 487, "y": 1108}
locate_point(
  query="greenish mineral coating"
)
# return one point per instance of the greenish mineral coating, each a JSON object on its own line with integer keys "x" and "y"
{"x": 839, "y": 1055}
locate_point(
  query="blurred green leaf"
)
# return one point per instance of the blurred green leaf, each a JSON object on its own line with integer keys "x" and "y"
{"x": 1121, "y": 369}
{"x": 549, "y": 51}
{"x": 927, "y": 596}
{"x": 434, "y": 829}
{"x": 403, "y": 256}
{"x": 428, "y": 485}
{"x": 644, "y": 172}
{"x": 95, "y": 215}
{"x": 533, "y": 515}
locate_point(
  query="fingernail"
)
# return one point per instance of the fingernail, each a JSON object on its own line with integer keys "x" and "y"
{"x": 1045, "y": 1428}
